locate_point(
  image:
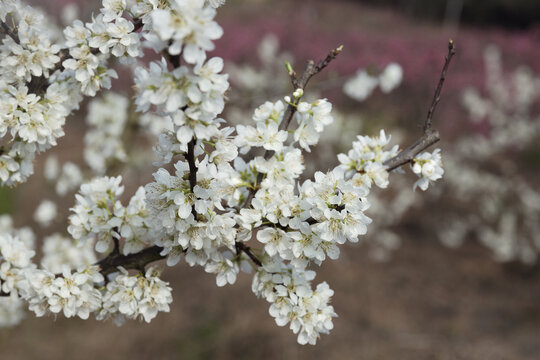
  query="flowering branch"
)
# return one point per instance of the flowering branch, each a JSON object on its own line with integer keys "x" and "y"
{"x": 301, "y": 83}
{"x": 298, "y": 83}
{"x": 203, "y": 207}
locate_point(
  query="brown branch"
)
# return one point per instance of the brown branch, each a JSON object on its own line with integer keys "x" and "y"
{"x": 429, "y": 137}
{"x": 407, "y": 155}
{"x": 310, "y": 71}
{"x": 241, "y": 247}
{"x": 136, "y": 261}
{"x": 292, "y": 74}
{"x": 437, "y": 95}
{"x": 116, "y": 242}
{"x": 192, "y": 170}
{"x": 7, "y": 30}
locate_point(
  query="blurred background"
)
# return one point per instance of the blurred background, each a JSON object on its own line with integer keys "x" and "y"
{"x": 447, "y": 274}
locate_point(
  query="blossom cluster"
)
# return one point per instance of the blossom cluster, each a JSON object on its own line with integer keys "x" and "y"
{"x": 252, "y": 83}
{"x": 90, "y": 46}
{"x": 365, "y": 161}
{"x": 44, "y": 77}
{"x": 11, "y": 307}
{"x": 59, "y": 251}
{"x": 294, "y": 302}
{"x": 135, "y": 296}
{"x": 98, "y": 215}
{"x": 73, "y": 293}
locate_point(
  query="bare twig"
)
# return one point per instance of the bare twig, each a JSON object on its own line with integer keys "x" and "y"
{"x": 429, "y": 137}
{"x": 437, "y": 95}
{"x": 292, "y": 74}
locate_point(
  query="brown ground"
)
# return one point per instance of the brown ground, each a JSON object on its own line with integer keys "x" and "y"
{"x": 428, "y": 302}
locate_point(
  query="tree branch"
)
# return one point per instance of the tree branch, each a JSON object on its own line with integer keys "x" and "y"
{"x": 241, "y": 247}
{"x": 429, "y": 137}
{"x": 7, "y": 30}
{"x": 407, "y": 155}
{"x": 437, "y": 95}
{"x": 136, "y": 261}
{"x": 192, "y": 170}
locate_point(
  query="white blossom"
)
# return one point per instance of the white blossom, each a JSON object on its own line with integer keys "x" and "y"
{"x": 73, "y": 294}
{"x": 189, "y": 27}
{"x": 428, "y": 167}
{"x": 107, "y": 119}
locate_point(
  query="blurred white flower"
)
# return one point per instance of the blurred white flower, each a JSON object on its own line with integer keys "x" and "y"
{"x": 45, "y": 213}
{"x": 360, "y": 86}
{"x": 391, "y": 77}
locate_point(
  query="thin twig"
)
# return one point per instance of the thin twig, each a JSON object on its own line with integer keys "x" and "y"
{"x": 437, "y": 95}
{"x": 429, "y": 137}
